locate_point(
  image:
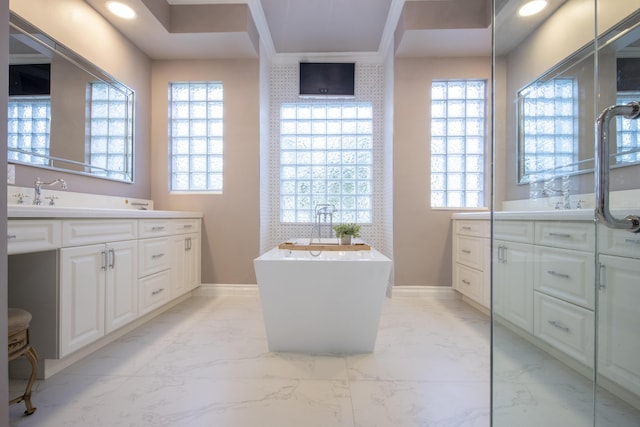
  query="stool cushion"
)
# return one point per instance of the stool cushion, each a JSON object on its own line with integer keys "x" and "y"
{"x": 19, "y": 319}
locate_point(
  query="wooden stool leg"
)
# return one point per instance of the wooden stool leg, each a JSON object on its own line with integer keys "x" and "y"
{"x": 33, "y": 358}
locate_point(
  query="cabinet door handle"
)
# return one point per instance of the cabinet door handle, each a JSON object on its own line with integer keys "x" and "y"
{"x": 103, "y": 260}
{"x": 563, "y": 235}
{"x": 602, "y": 284}
{"x": 556, "y": 274}
{"x": 559, "y": 325}
{"x": 156, "y": 256}
{"x": 112, "y": 258}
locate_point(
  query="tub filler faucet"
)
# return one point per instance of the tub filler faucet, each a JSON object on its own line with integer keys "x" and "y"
{"x": 38, "y": 184}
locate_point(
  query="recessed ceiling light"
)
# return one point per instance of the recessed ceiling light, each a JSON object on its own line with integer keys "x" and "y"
{"x": 121, "y": 10}
{"x": 532, "y": 7}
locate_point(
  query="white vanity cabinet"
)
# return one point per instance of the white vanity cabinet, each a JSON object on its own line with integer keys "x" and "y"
{"x": 98, "y": 282}
{"x": 88, "y": 273}
{"x": 470, "y": 251}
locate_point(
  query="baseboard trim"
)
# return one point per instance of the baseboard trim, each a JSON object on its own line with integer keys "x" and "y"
{"x": 411, "y": 291}
{"x": 398, "y": 291}
{"x": 216, "y": 290}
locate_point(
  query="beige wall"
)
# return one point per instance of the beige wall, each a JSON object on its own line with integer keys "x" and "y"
{"x": 231, "y": 219}
{"x": 78, "y": 26}
{"x": 422, "y": 235}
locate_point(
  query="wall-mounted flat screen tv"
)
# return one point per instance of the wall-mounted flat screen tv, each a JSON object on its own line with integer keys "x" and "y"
{"x": 327, "y": 79}
{"x": 628, "y": 78}
{"x": 29, "y": 79}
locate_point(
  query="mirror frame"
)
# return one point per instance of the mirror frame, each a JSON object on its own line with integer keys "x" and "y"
{"x": 55, "y": 163}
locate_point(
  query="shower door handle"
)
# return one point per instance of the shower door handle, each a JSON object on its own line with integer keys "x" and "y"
{"x": 630, "y": 222}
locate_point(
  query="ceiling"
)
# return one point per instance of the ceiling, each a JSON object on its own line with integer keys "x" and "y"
{"x": 189, "y": 29}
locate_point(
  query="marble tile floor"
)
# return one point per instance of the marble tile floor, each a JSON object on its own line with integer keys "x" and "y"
{"x": 205, "y": 363}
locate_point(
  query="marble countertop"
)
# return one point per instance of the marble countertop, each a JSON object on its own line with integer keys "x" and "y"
{"x": 553, "y": 215}
{"x": 31, "y": 211}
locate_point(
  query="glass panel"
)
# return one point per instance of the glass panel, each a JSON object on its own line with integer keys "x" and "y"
{"x": 564, "y": 292}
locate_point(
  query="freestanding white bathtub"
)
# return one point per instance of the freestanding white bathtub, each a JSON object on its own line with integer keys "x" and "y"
{"x": 330, "y": 303}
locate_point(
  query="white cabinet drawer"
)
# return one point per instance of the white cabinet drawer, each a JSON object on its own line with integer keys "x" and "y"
{"x": 154, "y": 291}
{"x": 187, "y": 225}
{"x": 618, "y": 242}
{"x": 565, "y": 274}
{"x": 25, "y": 236}
{"x": 80, "y": 232}
{"x": 578, "y": 235}
{"x": 154, "y": 255}
{"x": 469, "y": 282}
{"x": 567, "y": 327}
{"x": 154, "y": 227}
{"x": 469, "y": 251}
{"x": 513, "y": 231}
{"x": 475, "y": 228}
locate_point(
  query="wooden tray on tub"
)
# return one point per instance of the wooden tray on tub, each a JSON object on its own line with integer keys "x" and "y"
{"x": 324, "y": 247}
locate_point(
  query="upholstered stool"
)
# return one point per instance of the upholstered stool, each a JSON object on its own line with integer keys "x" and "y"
{"x": 19, "y": 346}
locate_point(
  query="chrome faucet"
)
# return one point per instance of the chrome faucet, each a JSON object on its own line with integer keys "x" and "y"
{"x": 39, "y": 183}
{"x": 549, "y": 190}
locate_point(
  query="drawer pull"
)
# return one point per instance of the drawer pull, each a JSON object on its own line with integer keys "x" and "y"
{"x": 634, "y": 241}
{"x": 556, "y": 274}
{"x": 156, "y": 256}
{"x": 466, "y": 251}
{"x": 12, "y": 236}
{"x": 187, "y": 226}
{"x": 466, "y": 282}
{"x": 558, "y": 325}
{"x": 466, "y": 227}
{"x": 157, "y": 291}
{"x": 157, "y": 228}
{"x": 563, "y": 235}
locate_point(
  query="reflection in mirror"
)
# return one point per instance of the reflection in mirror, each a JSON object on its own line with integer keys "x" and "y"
{"x": 64, "y": 113}
{"x": 550, "y": 108}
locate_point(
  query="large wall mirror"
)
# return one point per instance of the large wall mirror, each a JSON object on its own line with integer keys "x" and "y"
{"x": 65, "y": 113}
{"x": 556, "y": 117}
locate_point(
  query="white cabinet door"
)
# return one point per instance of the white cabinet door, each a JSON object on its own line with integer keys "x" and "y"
{"x": 618, "y": 321}
{"x": 186, "y": 264}
{"x": 179, "y": 266}
{"x": 82, "y": 287}
{"x": 121, "y": 284}
{"x": 193, "y": 261}
{"x": 513, "y": 283}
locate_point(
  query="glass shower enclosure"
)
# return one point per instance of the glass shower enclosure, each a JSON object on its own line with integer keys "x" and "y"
{"x": 566, "y": 201}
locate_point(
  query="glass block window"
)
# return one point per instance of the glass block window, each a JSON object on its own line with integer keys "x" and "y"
{"x": 326, "y": 156}
{"x": 29, "y": 127}
{"x": 627, "y": 133}
{"x": 110, "y": 112}
{"x": 196, "y": 136}
{"x": 458, "y": 127}
{"x": 549, "y": 127}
